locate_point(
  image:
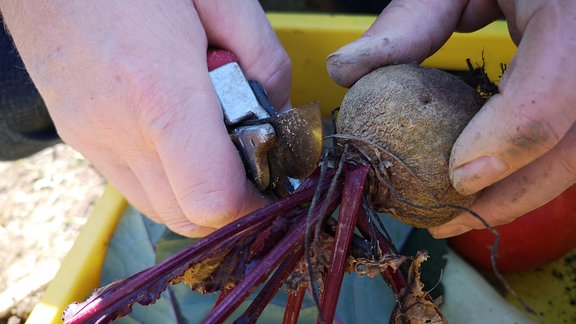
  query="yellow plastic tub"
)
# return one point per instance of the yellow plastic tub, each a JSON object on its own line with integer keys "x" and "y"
{"x": 308, "y": 38}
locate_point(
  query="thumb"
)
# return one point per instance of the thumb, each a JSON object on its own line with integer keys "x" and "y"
{"x": 405, "y": 32}
{"x": 532, "y": 113}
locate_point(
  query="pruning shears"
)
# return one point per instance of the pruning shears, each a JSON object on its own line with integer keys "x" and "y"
{"x": 277, "y": 149}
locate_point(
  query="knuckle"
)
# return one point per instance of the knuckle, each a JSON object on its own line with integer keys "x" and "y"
{"x": 149, "y": 90}
{"x": 185, "y": 228}
{"x": 279, "y": 70}
{"x": 212, "y": 206}
{"x": 156, "y": 109}
{"x": 280, "y": 73}
{"x": 272, "y": 68}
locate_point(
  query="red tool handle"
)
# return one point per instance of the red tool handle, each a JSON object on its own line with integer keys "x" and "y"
{"x": 217, "y": 57}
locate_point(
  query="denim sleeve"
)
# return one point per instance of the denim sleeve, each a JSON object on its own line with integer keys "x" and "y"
{"x": 25, "y": 126}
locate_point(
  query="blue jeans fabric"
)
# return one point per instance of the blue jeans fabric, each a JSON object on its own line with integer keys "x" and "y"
{"x": 25, "y": 126}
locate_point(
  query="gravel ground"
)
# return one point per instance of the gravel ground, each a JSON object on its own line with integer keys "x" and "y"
{"x": 44, "y": 201}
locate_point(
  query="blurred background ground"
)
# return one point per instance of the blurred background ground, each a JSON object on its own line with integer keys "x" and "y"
{"x": 44, "y": 201}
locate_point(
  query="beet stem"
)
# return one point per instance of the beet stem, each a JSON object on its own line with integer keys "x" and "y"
{"x": 257, "y": 276}
{"x": 315, "y": 200}
{"x": 223, "y": 294}
{"x": 381, "y": 232}
{"x": 272, "y": 286}
{"x": 294, "y": 305}
{"x": 354, "y": 180}
{"x": 145, "y": 286}
{"x": 394, "y": 279}
{"x": 261, "y": 271}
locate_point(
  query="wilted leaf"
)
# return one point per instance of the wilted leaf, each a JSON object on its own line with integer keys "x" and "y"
{"x": 418, "y": 306}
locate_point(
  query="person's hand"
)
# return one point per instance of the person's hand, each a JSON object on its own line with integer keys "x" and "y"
{"x": 520, "y": 149}
{"x": 127, "y": 85}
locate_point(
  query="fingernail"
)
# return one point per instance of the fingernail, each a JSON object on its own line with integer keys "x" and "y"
{"x": 343, "y": 65}
{"x": 445, "y": 231}
{"x": 478, "y": 174}
{"x": 342, "y": 55}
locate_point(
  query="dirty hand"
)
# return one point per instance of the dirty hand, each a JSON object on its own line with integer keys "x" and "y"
{"x": 521, "y": 147}
{"x": 127, "y": 85}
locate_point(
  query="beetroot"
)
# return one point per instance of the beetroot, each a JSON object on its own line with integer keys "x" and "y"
{"x": 405, "y": 119}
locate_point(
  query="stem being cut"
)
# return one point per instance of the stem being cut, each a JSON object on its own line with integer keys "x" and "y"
{"x": 282, "y": 261}
{"x": 355, "y": 177}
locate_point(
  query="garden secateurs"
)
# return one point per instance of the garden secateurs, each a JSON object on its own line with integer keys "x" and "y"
{"x": 276, "y": 148}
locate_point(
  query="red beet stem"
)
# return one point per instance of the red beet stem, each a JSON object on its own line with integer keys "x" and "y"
{"x": 283, "y": 249}
{"x": 223, "y": 294}
{"x": 144, "y": 287}
{"x": 294, "y": 305}
{"x": 351, "y": 203}
{"x": 287, "y": 225}
{"x": 272, "y": 286}
{"x": 394, "y": 278}
{"x": 255, "y": 278}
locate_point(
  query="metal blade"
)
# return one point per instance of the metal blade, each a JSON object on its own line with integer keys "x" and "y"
{"x": 299, "y": 141}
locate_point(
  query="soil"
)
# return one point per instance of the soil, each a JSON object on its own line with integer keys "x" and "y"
{"x": 45, "y": 199}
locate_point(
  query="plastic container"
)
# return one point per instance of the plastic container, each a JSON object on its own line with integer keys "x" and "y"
{"x": 308, "y": 38}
